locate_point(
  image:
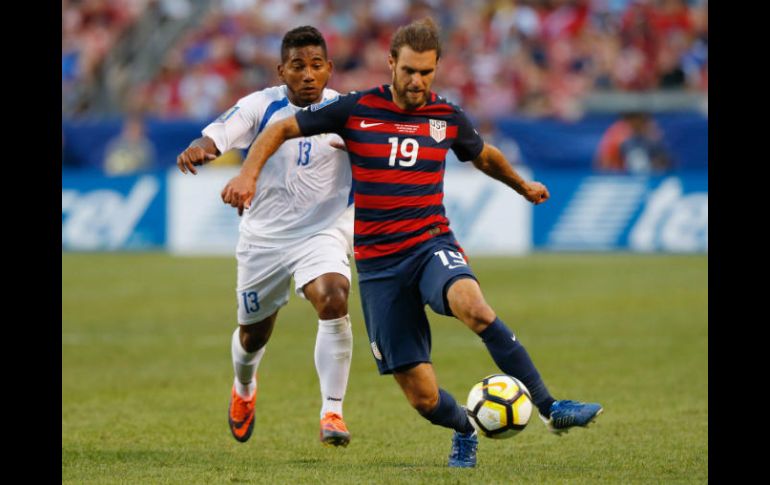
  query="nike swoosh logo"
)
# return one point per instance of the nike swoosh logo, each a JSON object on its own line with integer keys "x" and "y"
{"x": 364, "y": 124}
{"x": 240, "y": 424}
{"x": 241, "y": 429}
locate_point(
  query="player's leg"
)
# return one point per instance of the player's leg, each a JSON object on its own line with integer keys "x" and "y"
{"x": 467, "y": 303}
{"x": 333, "y": 351}
{"x": 399, "y": 335}
{"x": 262, "y": 289}
{"x": 439, "y": 407}
{"x": 247, "y": 348}
{"x": 322, "y": 276}
{"x": 449, "y": 286}
{"x": 418, "y": 381}
{"x": 328, "y": 294}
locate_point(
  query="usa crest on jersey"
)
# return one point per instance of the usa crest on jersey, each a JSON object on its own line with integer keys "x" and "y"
{"x": 376, "y": 351}
{"x": 438, "y": 130}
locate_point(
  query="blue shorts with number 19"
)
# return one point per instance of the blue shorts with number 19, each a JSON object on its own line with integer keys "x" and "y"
{"x": 394, "y": 300}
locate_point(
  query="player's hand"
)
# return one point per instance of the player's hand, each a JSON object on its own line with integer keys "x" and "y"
{"x": 536, "y": 193}
{"x": 193, "y": 156}
{"x": 238, "y": 192}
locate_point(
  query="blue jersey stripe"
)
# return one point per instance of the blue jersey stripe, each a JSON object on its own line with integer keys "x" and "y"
{"x": 383, "y": 163}
{"x": 395, "y": 214}
{"x": 384, "y": 115}
{"x": 379, "y": 188}
{"x": 369, "y": 240}
{"x": 270, "y": 111}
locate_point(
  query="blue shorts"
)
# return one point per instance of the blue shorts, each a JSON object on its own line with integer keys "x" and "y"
{"x": 394, "y": 300}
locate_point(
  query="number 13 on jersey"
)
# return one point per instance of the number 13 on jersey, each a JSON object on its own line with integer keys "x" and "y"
{"x": 304, "y": 153}
{"x": 250, "y": 301}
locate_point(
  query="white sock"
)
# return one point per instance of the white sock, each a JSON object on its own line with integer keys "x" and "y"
{"x": 245, "y": 365}
{"x": 333, "y": 352}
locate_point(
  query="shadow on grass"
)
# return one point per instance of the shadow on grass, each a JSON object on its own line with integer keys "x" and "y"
{"x": 163, "y": 457}
{"x": 374, "y": 462}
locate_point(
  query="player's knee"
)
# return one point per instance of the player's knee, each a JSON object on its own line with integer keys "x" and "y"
{"x": 424, "y": 403}
{"x": 253, "y": 337}
{"x": 333, "y": 303}
{"x": 478, "y": 315}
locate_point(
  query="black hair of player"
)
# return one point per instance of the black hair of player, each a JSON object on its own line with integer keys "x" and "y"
{"x": 301, "y": 37}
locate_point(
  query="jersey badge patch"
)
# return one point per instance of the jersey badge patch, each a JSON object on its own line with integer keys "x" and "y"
{"x": 438, "y": 130}
{"x": 227, "y": 114}
{"x": 317, "y": 106}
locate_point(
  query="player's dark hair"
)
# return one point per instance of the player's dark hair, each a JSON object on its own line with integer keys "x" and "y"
{"x": 301, "y": 37}
{"x": 421, "y": 35}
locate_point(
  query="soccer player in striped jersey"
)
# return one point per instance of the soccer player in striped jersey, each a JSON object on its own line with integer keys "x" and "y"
{"x": 397, "y": 137}
{"x": 299, "y": 226}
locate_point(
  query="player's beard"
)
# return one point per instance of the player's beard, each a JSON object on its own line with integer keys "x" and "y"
{"x": 411, "y": 102}
{"x": 418, "y": 97}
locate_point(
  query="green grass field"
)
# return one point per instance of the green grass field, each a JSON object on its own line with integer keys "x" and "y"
{"x": 146, "y": 377}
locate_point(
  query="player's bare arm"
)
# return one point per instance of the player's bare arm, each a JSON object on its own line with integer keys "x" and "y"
{"x": 492, "y": 162}
{"x": 201, "y": 150}
{"x": 240, "y": 190}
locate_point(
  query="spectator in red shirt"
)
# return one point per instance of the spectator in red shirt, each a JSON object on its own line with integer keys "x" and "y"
{"x": 633, "y": 144}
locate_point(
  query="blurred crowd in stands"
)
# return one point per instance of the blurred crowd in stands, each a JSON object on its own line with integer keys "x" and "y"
{"x": 500, "y": 57}
{"x": 90, "y": 28}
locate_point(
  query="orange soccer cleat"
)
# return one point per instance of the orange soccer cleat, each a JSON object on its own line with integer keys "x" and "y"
{"x": 241, "y": 416}
{"x": 333, "y": 430}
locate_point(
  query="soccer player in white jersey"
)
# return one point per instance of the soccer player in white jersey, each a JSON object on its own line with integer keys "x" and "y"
{"x": 300, "y": 225}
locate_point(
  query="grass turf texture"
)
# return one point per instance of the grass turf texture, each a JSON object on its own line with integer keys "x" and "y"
{"x": 146, "y": 377}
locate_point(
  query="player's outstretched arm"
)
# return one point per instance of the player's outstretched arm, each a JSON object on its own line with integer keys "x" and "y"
{"x": 201, "y": 150}
{"x": 241, "y": 189}
{"x": 492, "y": 162}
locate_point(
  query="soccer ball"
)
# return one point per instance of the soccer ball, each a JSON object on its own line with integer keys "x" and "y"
{"x": 499, "y": 406}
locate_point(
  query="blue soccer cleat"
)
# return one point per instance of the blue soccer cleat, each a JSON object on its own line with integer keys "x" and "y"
{"x": 463, "y": 453}
{"x": 566, "y": 414}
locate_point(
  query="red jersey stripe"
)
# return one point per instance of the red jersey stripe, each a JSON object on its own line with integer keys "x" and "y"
{"x": 377, "y": 102}
{"x": 376, "y": 150}
{"x": 386, "y": 202}
{"x": 377, "y": 250}
{"x": 389, "y": 227}
{"x": 397, "y": 176}
{"x": 357, "y": 123}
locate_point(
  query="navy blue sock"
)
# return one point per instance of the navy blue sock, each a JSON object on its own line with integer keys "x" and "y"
{"x": 449, "y": 414}
{"x": 512, "y": 358}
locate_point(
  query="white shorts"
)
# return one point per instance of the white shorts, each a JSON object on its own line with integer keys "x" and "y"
{"x": 264, "y": 273}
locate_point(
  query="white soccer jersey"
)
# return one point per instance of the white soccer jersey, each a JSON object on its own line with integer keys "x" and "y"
{"x": 303, "y": 188}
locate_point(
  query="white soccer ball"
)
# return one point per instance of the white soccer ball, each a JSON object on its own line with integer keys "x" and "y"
{"x": 499, "y": 406}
